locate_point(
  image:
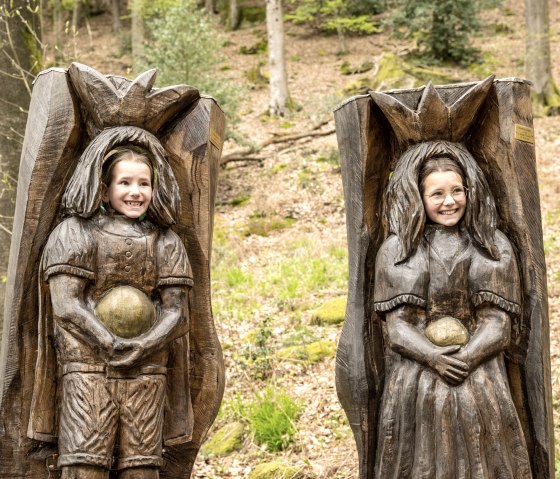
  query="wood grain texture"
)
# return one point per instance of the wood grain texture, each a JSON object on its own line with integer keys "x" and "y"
{"x": 369, "y": 149}
{"x": 57, "y": 133}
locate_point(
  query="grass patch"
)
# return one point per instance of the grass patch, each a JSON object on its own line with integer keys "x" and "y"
{"x": 272, "y": 417}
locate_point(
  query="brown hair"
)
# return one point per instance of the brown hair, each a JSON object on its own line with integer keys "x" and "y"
{"x": 129, "y": 153}
{"x": 404, "y": 209}
{"x": 438, "y": 164}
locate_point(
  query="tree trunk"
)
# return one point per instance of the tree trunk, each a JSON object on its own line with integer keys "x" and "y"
{"x": 116, "y": 12}
{"x": 209, "y": 6}
{"x": 279, "y": 96}
{"x": 58, "y": 26}
{"x": 233, "y": 15}
{"x": 137, "y": 34}
{"x": 20, "y": 60}
{"x": 537, "y": 53}
{"x": 77, "y": 15}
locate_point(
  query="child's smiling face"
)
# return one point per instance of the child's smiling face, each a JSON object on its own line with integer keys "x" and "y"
{"x": 445, "y": 188}
{"x": 130, "y": 190}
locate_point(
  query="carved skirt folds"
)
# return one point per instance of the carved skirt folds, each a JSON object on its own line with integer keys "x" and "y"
{"x": 431, "y": 430}
{"x": 111, "y": 422}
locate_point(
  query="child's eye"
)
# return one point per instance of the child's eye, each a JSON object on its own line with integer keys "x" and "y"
{"x": 457, "y": 191}
{"x": 437, "y": 194}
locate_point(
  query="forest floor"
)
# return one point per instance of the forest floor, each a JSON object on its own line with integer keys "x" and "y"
{"x": 280, "y": 237}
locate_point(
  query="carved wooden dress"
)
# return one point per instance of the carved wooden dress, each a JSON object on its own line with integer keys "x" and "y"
{"x": 409, "y": 280}
{"x": 429, "y": 428}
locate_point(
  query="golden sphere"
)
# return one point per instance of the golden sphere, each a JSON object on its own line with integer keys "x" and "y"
{"x": 447, "y": 331}
{"x": 126, "y": 311}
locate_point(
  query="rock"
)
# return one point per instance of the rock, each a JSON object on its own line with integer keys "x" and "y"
{"x": 274, "y": 470}
{"x": 331, "y": 312}
{"x": 226, "y": 440}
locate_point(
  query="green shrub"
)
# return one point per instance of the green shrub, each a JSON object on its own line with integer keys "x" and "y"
{"x": 332, "y": 16}
{"x": 441, "y": 27}
{"x": 272, "y": 418}
{"x": 183, "y": 43}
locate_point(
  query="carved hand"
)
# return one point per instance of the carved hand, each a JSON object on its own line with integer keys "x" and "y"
{"x": 448, "y": 365}
{"x": 132, "y": 351}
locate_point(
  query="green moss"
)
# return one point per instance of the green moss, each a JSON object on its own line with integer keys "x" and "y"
{"x": 319, "y": 350}
{"x": 274, "y": 470}
{"x": 347, "y": 69}
{"x": 358, "y": 87}
{"x": 263, "y": 226}
{"x": 331, "y": 312}
{"x": 311, "y": 353}
{"x": 226, "y": 440}
{"x": 240, "y": 200}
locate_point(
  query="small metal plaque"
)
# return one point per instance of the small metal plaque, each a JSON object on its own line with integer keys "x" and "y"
{"x": 215, "y": 139}
{"x": 524, "y": 133}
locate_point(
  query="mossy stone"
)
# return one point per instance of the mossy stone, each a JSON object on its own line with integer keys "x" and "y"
{"x": 331, "y": 312}
{"x": 312, "y": 352}
{"x": 319, "y": 350}
{"x": 226, "y": 440}
{"x": 274, "y": 470}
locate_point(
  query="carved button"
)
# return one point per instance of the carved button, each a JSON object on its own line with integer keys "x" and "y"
{"x": 128, "y": 241}
{"x": 127, "y": 268}
{"x": 128, "y": 254}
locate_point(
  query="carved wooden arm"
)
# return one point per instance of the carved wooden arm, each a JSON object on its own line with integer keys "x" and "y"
{"x": 405, "y": 338}
{"x": 73, "y": 314}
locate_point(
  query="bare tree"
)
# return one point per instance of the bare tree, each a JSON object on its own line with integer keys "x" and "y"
{"x": 279, "y": 96}
{"x": 20, "y": 61}
{"x": 537, "y": 54}
{"x": 116, "y": 12}
{"x": 233, "y": 15}
{"x": 137, "y": 33}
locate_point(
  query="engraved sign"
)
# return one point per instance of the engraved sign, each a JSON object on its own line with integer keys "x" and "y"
{"x": 524, "y": 133}
{"x": 215, "y": 139}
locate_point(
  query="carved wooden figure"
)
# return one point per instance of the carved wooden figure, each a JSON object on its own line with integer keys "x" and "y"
{"x": 110, "y": 364}
{"x": 443, "y": 365}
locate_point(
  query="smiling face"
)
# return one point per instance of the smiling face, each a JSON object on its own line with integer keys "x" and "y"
{"x": 130, "y": 190}
{"x": 447, "y": 187}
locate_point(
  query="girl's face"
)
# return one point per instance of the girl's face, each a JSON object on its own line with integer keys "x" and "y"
{"x": 444, "y": 197}
{"x": 130, "y": 190}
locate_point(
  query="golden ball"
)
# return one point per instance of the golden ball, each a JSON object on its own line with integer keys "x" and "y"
{"x": 447, "y": 331}
{"x": 126, "y": 311}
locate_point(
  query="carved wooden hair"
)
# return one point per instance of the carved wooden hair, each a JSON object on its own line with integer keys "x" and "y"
{"x": 405, "y": 210}
{"x": 83, "y": 194}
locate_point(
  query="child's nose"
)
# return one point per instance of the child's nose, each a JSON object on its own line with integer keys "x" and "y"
{"x": 449, "y": 200}
{"x": 134, "y": 190}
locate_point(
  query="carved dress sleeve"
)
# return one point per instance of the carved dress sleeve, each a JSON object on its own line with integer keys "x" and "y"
{"x": 70, "y": 250}
{"x": 173, "y": 263}
{"x": 401, "y": 283}
{"x": 496, "y": 281}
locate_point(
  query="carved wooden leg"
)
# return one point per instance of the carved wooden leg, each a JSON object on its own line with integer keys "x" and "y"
{"x": 84, "y": 472}
{"x": 139, "y": 473}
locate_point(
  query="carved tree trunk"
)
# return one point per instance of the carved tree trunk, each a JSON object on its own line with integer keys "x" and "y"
{"x": 137, "y": 34}
{"x": 537, "y": 53}
{"x": 116, "y": 12}
{"x": 15, "y": 95}
{"x": 279, "y": 96}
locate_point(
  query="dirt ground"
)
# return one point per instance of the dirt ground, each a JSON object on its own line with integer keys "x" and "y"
{"x": 291, "y": 183}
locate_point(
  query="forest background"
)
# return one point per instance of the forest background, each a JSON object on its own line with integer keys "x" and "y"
{"x": 279, "y": 264}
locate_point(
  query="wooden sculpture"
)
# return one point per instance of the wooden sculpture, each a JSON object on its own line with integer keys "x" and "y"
{"x": 443, "y": 364}
{"x": 110, "y": 364}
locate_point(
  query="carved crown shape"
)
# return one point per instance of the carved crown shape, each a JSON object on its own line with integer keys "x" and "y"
{"x": 109, "y": 101}
{"x": 433, "y": 119}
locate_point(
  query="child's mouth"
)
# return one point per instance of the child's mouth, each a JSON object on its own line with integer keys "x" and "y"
{"x": 448, "y": 212}
{"x": 134, "y": 204}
